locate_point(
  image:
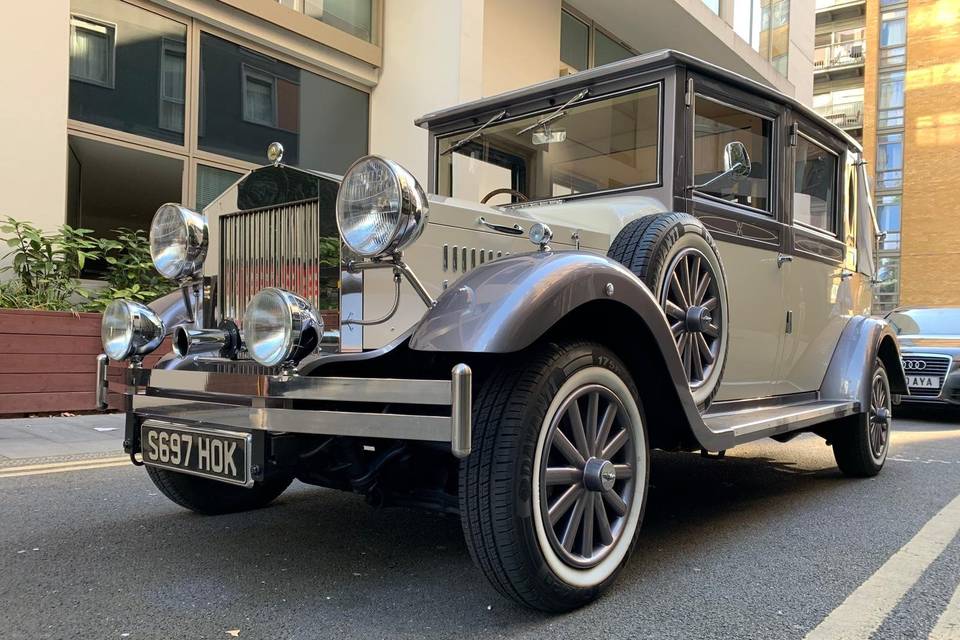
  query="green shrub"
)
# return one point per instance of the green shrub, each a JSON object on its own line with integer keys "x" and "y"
{"x": 46, "y": 268}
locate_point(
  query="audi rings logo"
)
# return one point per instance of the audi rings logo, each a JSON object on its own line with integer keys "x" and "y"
{"x": 914, "y": 365}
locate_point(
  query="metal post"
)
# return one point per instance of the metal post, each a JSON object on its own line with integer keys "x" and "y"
{"x": 461, "y": 410}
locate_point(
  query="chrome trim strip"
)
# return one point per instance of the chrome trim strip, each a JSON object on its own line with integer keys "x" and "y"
{"x": 460, "y": 400}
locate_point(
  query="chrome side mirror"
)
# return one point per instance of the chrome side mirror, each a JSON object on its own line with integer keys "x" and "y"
{"x": 736, "y": 159}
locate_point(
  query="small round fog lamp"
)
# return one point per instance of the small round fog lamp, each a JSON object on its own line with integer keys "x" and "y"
{"x": 540, "y": 234}
{"x": 280, "y": 327}
{"x": 129, "y": 329}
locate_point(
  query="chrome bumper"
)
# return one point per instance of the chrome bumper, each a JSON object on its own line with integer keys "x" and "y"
{"x": 274, "y": 403}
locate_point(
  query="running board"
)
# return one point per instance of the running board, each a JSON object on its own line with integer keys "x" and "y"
{"x": 751, "y": 424}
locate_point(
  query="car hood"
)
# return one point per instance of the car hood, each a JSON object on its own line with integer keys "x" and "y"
{"x": 949, "y": 345}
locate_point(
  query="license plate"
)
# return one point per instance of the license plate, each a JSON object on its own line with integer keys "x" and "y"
{"x": 923, "y": 382}
{"x": 220, "y": 455}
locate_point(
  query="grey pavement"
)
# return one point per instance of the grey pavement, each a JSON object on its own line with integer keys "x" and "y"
{"x": 764, "y": 543}
{"x": 59, "y": 438}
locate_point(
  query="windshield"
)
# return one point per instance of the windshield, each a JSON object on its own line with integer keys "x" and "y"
{"x": 928, "y": 322}
{"x": 605, "y": 144}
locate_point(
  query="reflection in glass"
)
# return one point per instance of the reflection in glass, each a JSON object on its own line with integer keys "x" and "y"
{"x": 127, "y": 69}
{"x": 248, "y": 100}
{"x": 606, "y": 50}
{"x": 574, "y": 42}
{"x": 211, "y": 182}
{"x": 815, "y": 181}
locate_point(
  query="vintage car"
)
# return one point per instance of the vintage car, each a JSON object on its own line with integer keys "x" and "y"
{"x": 929, "y": 339}
{"x": 677, "y": 258}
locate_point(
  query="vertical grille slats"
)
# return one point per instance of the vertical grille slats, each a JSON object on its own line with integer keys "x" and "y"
{"x": 271, "y": 247}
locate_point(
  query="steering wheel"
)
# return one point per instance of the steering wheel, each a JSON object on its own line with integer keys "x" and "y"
{"x": 499, "y": 192}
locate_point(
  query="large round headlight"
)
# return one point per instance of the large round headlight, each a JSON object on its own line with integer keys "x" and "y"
{"x": 381, "y": 208}
{"x": 280, "y": 327}
{"x": 178, "y": 241}
{"x": 129, "y": 329}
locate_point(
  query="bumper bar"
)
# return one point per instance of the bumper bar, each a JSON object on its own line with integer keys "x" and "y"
{"x": 311, "y": 405}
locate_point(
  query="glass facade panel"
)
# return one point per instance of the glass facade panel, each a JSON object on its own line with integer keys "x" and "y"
{"x": 890, "y": 161}
{"x": 211, "y": 182}
{"x": 248, "y": 100}
{"x": 574, "y": 42}
{"x": 893, "y": 28}
{"x": 713, "y": 5}
{"x": 888, "y": 219}
{"x": 352, "y": 16}
{"x": 606, "y": 50}
{"x": 715, "y": 126}
{"x": 890, "y": 100}
{"x": 127, "y": 69}
{"x": 606, "y": 144}
{"x": 815, "y": 186}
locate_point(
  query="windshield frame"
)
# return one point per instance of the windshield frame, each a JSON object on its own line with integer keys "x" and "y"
{"x": 469, "y": 125}
{"x": 921, "y": 310}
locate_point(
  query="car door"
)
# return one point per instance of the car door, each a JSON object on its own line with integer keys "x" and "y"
{"x": 819, "y": 289}
{"x": 745, "y": 218}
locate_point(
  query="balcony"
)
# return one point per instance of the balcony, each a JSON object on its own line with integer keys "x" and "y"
{"x": 848, "y": 115}
{"x": 837, "y": 10}
{"x": 840, "y": 60}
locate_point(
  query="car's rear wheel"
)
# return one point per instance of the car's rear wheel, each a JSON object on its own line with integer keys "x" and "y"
{"x": 552, "y": 496}
{"x": 861, "y": 449}
{"x": 211, "y": 497}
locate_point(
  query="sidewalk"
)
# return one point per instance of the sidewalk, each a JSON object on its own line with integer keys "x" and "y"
{"x": 60, "y": 438}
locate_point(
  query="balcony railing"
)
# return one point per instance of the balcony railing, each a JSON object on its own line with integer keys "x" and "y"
{"x": 829, "y": 4}
{"x": 848, "y": 115}
{"x": 842, "y": 54}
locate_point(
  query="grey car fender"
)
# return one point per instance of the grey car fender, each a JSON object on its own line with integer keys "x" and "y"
{"x": 863, "y": 340}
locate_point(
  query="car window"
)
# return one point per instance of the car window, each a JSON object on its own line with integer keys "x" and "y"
{"x": 604, "y": 144}
{"x": 715, "y": 126}
{"x": 815, "y": 185}
{"x": 929, "y": 322}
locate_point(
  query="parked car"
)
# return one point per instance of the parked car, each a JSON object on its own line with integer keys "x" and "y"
{"x": 930, "y": 345}
{"x": 679, "y": 258}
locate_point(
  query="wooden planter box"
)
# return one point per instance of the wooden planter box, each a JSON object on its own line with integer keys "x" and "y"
{"x": 48, "y": 361}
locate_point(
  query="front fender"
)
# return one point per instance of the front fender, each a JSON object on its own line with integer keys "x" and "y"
{"x": 863, "y": 340}
{"x": 506, "y": 305}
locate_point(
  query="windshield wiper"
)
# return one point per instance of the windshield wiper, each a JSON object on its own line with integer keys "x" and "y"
{"x": 558, "y": 113}
{"x": 459, "y": 143}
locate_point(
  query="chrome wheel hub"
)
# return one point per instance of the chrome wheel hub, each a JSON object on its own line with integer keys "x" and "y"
{"x": 691, "y": 299}
{"x": 587, "y": 476}
{"x": 878, "y": 426}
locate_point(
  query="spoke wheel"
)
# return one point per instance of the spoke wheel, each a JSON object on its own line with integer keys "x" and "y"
{"x": 587, "y": 476}
{"x": 878, "y": 420}
{"x": 692, "y": 301}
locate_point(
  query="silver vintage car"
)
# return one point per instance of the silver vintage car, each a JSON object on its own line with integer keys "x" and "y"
{"x": 656, "y": 253}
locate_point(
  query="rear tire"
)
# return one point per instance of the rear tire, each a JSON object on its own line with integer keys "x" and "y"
{"x": 861, "y": 449}
{"x": 211, "y": 497}
{"x": 530, "y": 548}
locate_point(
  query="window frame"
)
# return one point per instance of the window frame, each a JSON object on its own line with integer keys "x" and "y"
{"x": 592, "y": 29}
{"x": 802, "y": 132}
{"x": 658, "y": 83}
{"x": 111, "y": 43}
{"x": 774, "y": 161}
{"x": 247, "y": 71}
{"x": 180, "y": 48}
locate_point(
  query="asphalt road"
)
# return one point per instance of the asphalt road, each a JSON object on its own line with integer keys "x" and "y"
{"x": 766, "y": 543}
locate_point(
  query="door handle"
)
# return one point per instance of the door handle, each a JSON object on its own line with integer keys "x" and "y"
{"x": 781, "y": 258}
{"x": 846, "y": 275}
{"x": 515, "y": 230}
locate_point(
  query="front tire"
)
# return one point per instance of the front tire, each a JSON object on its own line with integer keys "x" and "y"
{"x": 210, "y": 497}
{"x": 553, "y": 495}
{"x": 861, "y": 449}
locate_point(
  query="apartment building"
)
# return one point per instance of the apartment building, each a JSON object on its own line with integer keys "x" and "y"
{"x": 839, "y": 59}
{"x": 121, "y": 105}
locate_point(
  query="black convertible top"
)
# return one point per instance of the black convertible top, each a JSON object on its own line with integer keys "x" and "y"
{"x": 623, "y": 68}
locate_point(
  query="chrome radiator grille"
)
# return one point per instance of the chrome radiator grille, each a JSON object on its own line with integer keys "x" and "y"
{"x": 284, "y": 246}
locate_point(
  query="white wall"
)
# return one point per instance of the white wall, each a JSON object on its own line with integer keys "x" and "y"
{"x": 34, "y": 65}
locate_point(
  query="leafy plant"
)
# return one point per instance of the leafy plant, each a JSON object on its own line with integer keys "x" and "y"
{"x": 46, "y": 265}
{"x": 130, "y": 271}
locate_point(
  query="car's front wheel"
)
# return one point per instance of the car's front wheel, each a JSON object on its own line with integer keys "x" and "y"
{"x": 554, "y": 491}
{"x": 211, "y": 497}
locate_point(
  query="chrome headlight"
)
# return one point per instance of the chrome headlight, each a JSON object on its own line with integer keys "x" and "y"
{"x": 178, "y": 241}
{"x": 280, "y": 327}
{"x": 381, "y": 209}
{"x": 129, "y": 329}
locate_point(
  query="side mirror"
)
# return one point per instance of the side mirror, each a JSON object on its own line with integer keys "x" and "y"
{"x": 736, "y": 160}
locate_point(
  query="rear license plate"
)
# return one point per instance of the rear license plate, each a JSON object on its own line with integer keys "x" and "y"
{"x": 220, "y": 455}
{"x": 923, "y": 382}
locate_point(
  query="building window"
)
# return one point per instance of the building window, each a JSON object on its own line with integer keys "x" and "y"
{"x": 351, "y": 16}
{"x": 888, "y": 219}
{"x": 890, "y": 100}
{"x": 211, "y": 182}
{"x": 259, "y": 97}
{"x": 584, "y": 44}
{"x": 173, "y": 74}
{"x": 132, "y": 76}
{"x": 815, "y": 186}
{"x": 893, "y": 37}
{"x": 716, "y": 125}
{"x": 890, "y": 161}
{"x": 92, "y": 51}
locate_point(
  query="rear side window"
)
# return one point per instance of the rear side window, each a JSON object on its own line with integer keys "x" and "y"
{"x": 815, "y": 186}
{"x": 715, "y": 126}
